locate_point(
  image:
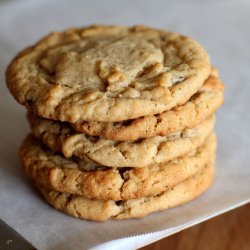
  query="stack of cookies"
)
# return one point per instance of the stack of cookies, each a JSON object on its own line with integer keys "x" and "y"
{"x": 122, "y": 119}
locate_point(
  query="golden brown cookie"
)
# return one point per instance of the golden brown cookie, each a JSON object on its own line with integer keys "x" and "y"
{"x": 60, "y": 137}
{"x": 200, "y": 106}
{"x": 99, "y": 210}
{"x": 107, "y": 73}
{"x": 96, "y": 182}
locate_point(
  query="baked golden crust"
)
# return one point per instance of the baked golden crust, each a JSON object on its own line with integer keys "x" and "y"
{"x": 60, "y": 137}
{"x": 98, "y": 210}
{"x": 107, "y": 73}
{"x": 200, "y": 106}
{"x": 62, "y": 175}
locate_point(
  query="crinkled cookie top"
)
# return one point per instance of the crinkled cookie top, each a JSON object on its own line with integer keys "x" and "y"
{"x": 107, "y": 73}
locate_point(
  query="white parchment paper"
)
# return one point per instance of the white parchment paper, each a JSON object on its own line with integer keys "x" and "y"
{"x": 223, "y": 27}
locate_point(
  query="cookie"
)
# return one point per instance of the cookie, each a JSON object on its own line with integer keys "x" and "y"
{"x": 200, "y": 106}
{"x": 96, "y": 182}
{"x": 107, "y": 73}
{"x": 60, "y": 137}
{"x": 99, "y": 210}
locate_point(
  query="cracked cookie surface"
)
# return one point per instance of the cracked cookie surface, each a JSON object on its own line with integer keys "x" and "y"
{"x": 201, "y": 105}
{"x": 98, "y": 210}
{"x": 96, "y": 182}
{"x": 107, "y": 73}
{"x": 60, "y": 137}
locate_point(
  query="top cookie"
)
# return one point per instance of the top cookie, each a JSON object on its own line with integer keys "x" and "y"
{"x": 107, "y": 73}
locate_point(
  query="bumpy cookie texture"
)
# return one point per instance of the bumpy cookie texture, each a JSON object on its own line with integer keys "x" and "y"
{"x": 62, "y": 175}
{"x": 98, "y": 210}
{"x": 107, "y": 74}
{"x": 201, "y": 105}
{"x": 60, "y": 137}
